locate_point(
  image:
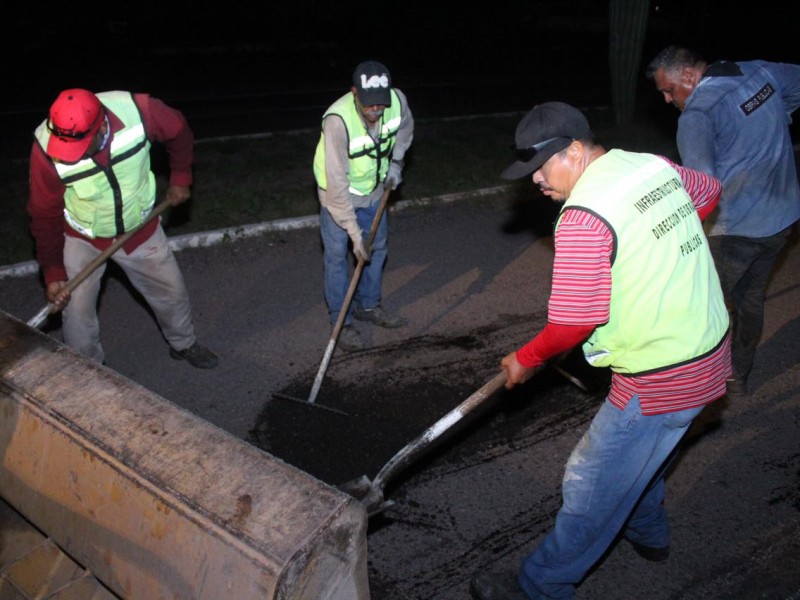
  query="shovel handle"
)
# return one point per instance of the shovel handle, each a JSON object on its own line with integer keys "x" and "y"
{"x": 402, "y": 457}
{"x": 74, "y": 282}
{"x": 376, "y": 221}
{"x": 434, "y": 431}
{"x": 351, "y": 290}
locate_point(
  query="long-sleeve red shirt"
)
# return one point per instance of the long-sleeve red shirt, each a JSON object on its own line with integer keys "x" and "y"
{"x": 580, "y": 301}
{"x": 162, "y": 124}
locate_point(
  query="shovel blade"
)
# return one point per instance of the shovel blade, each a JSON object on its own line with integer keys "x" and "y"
{"x": 309, "y": 404}
{"x": 357, "y": 488}
{"x": 370, "y": 495}
{"x": 40, "y": 317}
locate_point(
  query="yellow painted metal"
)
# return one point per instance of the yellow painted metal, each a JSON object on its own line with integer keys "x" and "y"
{"x": 156, "y": 502}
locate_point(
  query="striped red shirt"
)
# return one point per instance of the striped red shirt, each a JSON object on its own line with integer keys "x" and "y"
{"x": 581, "y": 296}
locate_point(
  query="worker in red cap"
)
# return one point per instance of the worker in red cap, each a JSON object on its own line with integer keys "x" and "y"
{"x": 90, "y": 182}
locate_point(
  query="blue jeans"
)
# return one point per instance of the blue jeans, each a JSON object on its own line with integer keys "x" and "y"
{"x": 613, "y": 483}
{"x": 336, "y": 245}
{"x": 744, "y": 265}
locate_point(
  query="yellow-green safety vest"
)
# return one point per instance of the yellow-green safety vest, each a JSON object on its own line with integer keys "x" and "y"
{"x": 108, "y": 201}
{"x": 667, "y": 306}
{"x": 369, "y": 160}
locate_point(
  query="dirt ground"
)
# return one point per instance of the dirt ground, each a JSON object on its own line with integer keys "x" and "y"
{"x": 472, "y": 279}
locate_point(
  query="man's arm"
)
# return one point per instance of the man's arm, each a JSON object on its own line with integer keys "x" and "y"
{"x": 336, "y": 196}
{"x": 552, "y": 341}
{"x": 46, "y": 209}
{"x": 695, "y": 139}
{"x": 704, "y": 190}
{"x": 580, "y": 296}
{"x": 405, "y": 134}
{"x": 169, "y": 127}
{"x": 788, "y": 77}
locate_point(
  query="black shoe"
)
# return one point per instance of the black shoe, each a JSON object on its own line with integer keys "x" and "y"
{"x": 496, "y": 586}
{"x": 650, "y": 553}
{"x": 378, "y": 316}
{"x": 197, "y": 355}
{"x": 736, "y": 388}
{"x": 349, "y": 339}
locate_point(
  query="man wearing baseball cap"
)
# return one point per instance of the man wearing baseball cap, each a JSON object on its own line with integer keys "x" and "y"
{"x": 90, "y": 182}
{"x": 734, "y": 123}
{"x": 365, "y": 136}
{"x": 635, "y": 284}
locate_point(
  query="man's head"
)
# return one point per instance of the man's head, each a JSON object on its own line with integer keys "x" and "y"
{"x": 676, "y": 72}
{"x": 74, "y": 121}
{"x": 372, "y": 85}
{"x": 552, "y": 142}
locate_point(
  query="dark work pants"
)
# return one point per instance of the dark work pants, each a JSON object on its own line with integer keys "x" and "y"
{"x": 744, "y": 265}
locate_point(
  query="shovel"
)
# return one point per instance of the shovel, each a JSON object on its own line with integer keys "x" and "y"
{"x": 370, "y": 492}
{"x": 40, "y": 317}
{"x": 351, "y": 290}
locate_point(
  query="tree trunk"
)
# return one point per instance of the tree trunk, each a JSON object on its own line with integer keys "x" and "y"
{"x": 627, "y": 25}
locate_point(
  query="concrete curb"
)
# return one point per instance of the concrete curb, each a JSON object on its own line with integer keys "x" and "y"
{"x": 232, "y": 234}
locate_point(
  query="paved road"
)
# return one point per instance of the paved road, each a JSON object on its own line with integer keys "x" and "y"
{"x": 472, "y": 279}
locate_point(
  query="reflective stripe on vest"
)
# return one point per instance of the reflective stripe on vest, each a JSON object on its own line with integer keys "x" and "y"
{"x": 666, "y": 302}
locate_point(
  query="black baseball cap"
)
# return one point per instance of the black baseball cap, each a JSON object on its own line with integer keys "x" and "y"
{"x": 547, "y": 129}
{"x": 373, "y": 83}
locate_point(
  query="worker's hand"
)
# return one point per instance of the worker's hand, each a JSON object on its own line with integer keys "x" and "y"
{"x": 359, "y": 249}
{"x": 57, "y": 295}
{"x": 515, "y": 372}
{"x": 395, "y": 175}
{"x": 178, "y": 194}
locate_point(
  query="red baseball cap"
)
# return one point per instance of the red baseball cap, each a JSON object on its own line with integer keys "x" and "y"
{"x": 74, "y": 118}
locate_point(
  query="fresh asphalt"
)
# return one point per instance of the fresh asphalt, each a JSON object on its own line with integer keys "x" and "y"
{"x": 471, "y": 276}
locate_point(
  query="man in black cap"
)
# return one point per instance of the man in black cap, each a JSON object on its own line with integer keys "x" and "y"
{"x": 634, "y": 282}
{"x": 365, "y": 136}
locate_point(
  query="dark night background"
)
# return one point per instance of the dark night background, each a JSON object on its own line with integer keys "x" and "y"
{"x": 246, "y": 67}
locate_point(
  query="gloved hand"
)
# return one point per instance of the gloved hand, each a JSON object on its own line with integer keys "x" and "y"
{"x": 395, "y": 174}
{"x": 359, "y": 249}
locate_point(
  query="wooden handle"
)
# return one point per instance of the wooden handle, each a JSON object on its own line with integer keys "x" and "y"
{"x": 116, "y": 245}
{"x": 41, "y": 316}
{"x": 351, "y": 290}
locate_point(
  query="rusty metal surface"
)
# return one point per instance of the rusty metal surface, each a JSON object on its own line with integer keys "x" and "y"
{"x": 32, "y": 566}
{"x": 155, "y": 501}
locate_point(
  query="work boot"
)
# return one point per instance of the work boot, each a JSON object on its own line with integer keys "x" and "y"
{"x": 496, "y": 586}
{"x": 378, "y": 316}
{"x": 736, "y": 388}
{"x": 350, "y": 340}
{"x": 197, "y": 355}
{"x": 651, "y": 553}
